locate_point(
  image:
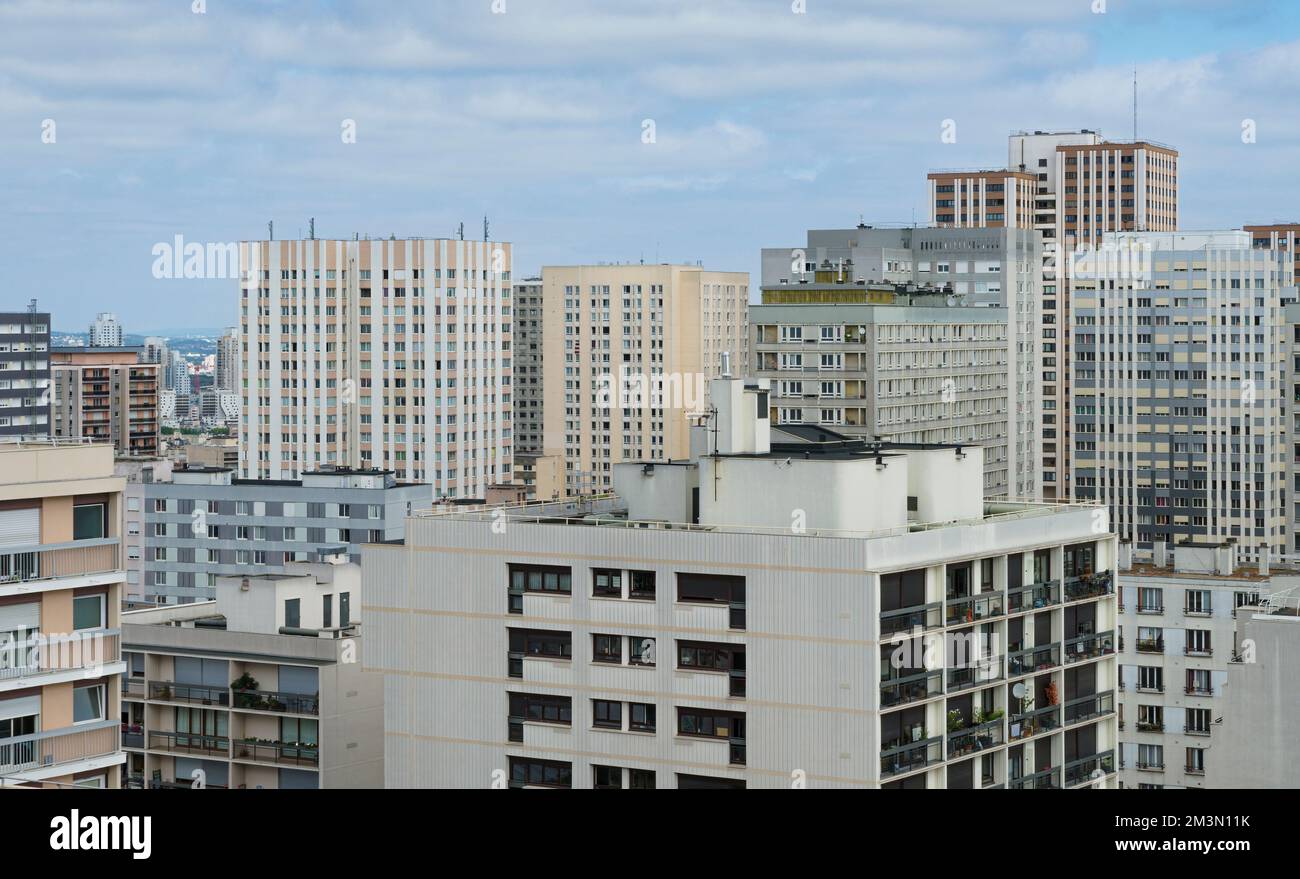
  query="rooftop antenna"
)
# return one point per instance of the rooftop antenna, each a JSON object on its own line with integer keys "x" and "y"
{"x": 485, "y": 229}
{"x": 270, "y": 230}
{"x": 1135, "y": 103}
{"x": 311, "y": 228}
{"x": 460, "y": 232}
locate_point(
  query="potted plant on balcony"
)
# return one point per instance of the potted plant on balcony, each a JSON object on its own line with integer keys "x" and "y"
{"x": 1053, "y": 696}
{"x": 955, "y": 720}
{"x": 244, "y": 682}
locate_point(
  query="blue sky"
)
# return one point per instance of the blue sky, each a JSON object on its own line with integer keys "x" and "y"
{"x": 767, "y": 123}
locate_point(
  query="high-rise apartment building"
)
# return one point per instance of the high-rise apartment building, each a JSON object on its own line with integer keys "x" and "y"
{"x": 1086, "y": 187}
{"x": 60, "y": 601}
{"x": 529, "y": 341}
{"x": 677, "y": 636}
{"x": 1178, "y": 375}
{"x": 226, "y": 377}
{"x": 105, "y": 331}
{"x": 627, "y": 353}
{"x": 1279, "y": 236}
{"x": 106, "y": 394}
{"x": 998, "y": 268}
{"x": 156, "y": 350}
{"x": 1178, "y": 637}
{"x": 391, "y": 354}
{"x": 923, "y": 368}
{"x": 180, "y": 384}
{"x": 25, "y": 373}
{"x": 206, "y": 522}
{"x": 982, "y": 199}
{"x": 138, "y": 473}
{"x": 261, "y": 688}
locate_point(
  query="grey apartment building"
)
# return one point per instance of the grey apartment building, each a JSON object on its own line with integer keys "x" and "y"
{"x": 207, "y": 523}
{"x": 991, "y": 267}
{"x": 528, "y": 365}
{"x": 1179, "y": 354}
{"x": 24, "y": 373}
{"x": 921, "y": 369}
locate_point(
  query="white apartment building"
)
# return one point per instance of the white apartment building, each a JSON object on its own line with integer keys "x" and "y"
{"x": 789, "y": 607}
{"x": 1178, "y": 638}
{"x": 105, "y": 331}
{"x": 390, "y": 354}
{"x": 261, "y": 688}
{"x": 1177, "y": 375}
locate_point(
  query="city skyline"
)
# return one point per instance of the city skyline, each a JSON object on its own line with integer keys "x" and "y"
{"x": 811, "y": 120}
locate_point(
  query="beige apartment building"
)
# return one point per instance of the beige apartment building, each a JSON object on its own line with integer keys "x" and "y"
{"x": 392, "y": 354}
{"x": 627, "y": 353}
{"x": 982, "y": 199}
{"x": 106, "y": 394}
{"x": 61, "y": 582}
{"x": 260, "y": 689}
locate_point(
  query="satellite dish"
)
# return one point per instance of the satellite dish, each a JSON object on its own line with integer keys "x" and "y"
{"x": 1018, "y": 690}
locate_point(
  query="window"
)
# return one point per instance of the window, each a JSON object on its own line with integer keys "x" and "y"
{"x": 541, "y": 709}
{"x": 710, "y": 724}
{"x": 88, "y": 703}
{"x": 1151, "y": 757}
{"x": 1198, "y": 642}
{"x": 607, "y": 777}
{"x": 540, "y": 773}
{"x": 292, "y": 614}
{"x": 642, "y": 586}
{"x": 89, "y": 521}
{"x": 1198, "y": 721}
{"x": 606, "y": 714}
{"x": 607, "y": 648}
{"x": 88, "y": 612}
{"x": 540, "y": 578}
{"x": 715, "y": 589}
{"x": 1151, "y": 677}
{"x": 1198, "y": 601}
{"x": 641, "y": 651}
{"x": 710, "y": 657}
{"x": 607, "y": 583}
{"x": 641, "y": 716}
{"x": 327, "y": 611}
{"x": 345, "y": 609}
{"x": 1151, "y": 600}
{"x": 546, "y": 644}
{"x": 641, "y": 779}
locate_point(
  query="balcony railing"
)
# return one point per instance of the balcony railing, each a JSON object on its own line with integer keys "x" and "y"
{"x": 978, "y": 672}
{"x": 1034, "y": 596}
{"x": 1032, "y": 659}
{"x": 1194, "y": 770}
{"x": 1150, "y": 645}
{"x": 911, "y": 688}
{"x": 975, "y": 738}
{"x": 1034, "y": 722}
{"x": 55, "y": 747}
{"x": 921, "y": 616}
{"x": 1199, "y": 690}
{"x": 1089, "y": 586}
{"x": 1189, "y": 650}
{"x": 268, "y": 700}
{"x": 1089, "y": 707}
{"x": 42, "y": 654}
{"x": 1155, "y": 726}
{"x": 1089, "y": 647}
{"x": 1089, "y": 768}
{"x": 1151, "y": 765}
{"x": 132, "y": 736}
{"x": 1151, "y": 608}
{"x": 189, "y": 743}
{"x": 974, "y": 608}
{"x": 1195, "y": 731}
{"x": 287, "y": 753}
{"x": 21, "y": 564}
{"x": 1048, "y": 779}
{"x": 195, "y": 694}
{"x": 1197, "y": 611}
{"x": 915, "y": 755}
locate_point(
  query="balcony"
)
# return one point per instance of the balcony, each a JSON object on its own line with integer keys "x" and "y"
{"x": 1151, "y": 609}
{"x": 1089, "y": 769}
{"x": 189, "y": 743}
{"x": 51, "y": 561}
{"x": 905, "y": 619}
{"x": 1150, "y": 766}
{"x": 1032, "y": 723}
{"x": 1089, "y": 586}
{"x": 1089, "y": 647}
{"x": 974, "y": 608}
{"x": 1150, "y": 645}
{"x": 978, "y": 673}
{"x": 912, "y": 688}
{"x": 1195, "y": 731}
{"x": 1197, "y": 611}
{"x": 50, "y": 749}
{"x": 194, "y": 694}
{"x": 44, "y": 655}
{"x": 283, "y": 703}
{"x": 896, "y": 760}
{"x": 1034, "y": 596}
{"x": 1189, "y": 650}
{"x": 1048, "y": 779}
{"x": 1199, "y": 690}
{"x": 976, "y": 738}
{"x": 280, "y": 753}
{"x": 1090, "y": 707}
{"x": 1033, "y": 659}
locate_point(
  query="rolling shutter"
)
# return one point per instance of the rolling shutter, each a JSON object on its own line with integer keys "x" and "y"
{"x": 20, "y": 527}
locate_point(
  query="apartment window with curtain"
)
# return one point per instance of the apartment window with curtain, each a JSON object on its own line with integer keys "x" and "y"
{"x": 1151, "y": 600}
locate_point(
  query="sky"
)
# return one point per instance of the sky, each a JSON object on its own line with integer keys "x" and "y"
{"x": 207, "y": 118}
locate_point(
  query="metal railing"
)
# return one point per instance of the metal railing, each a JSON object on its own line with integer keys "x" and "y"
{"x": 189, "y": 743}
{"x": 920, "y": 616}
{"x": 292, "y": 754}
{"x": 1088, "y": 647}
{"x": 1034, "y": 596}
{"x": 914, "y": 755}
{"x": 1048, "y": 779}
{"x": 58, "y": 746}
{"x": 21, "y": 564}
{"x": 196, "y": 694}
{"x": 1032, "y": 723}
{"x": 973, "y": 608}
{"x": 269, "y": 700}
{"x": 1087, "y": 769}
{"x": 912, "y": 688}
{"x": 1032, "y": 659}
{"x": 42, "y": 654}
{"x": 1090, "y": 707}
